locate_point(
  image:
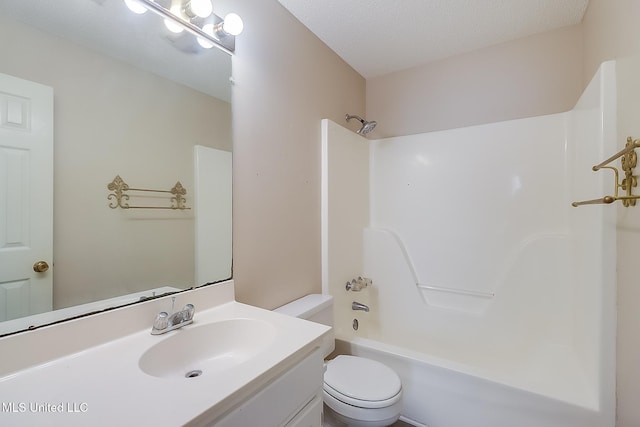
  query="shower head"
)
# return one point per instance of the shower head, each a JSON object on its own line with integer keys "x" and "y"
{"x": 366, "y": 126}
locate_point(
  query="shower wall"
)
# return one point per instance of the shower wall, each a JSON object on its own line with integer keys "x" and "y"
{"x": 479, "y": 263}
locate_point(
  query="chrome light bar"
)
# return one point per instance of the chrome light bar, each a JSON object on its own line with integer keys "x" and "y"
{"x": 225, "y": 42}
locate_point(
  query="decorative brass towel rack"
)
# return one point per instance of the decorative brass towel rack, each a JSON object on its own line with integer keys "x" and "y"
{"x": 629, "y": 161}
{"x": 120, "y": 188}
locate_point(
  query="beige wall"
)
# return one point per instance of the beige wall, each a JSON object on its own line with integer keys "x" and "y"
{"x": 111, "y": 118}
{"x": 610, "y": 32}
{"x": 537, "y": 75}
{"x": 286, "y": 81}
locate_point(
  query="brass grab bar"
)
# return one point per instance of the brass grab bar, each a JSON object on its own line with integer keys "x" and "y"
{"x": 629, "y": 161}
{"x": 629, "y": 147}
{"x": 605, "y": 200}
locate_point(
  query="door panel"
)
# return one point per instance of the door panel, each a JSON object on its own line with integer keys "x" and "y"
{"x": 26, "y": 197}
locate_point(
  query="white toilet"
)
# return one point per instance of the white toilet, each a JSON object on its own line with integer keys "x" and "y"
{"x": 359, "y": 392}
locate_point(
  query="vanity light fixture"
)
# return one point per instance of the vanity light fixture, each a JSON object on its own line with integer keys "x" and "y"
{"x": 135, "y": 7}
{"x": 196, "y": 17}
{"x": 232, "y": 25}
{"x": 200, "y": 8}
{"x": 171, "y": 24}
{"x": 207, "y": 28}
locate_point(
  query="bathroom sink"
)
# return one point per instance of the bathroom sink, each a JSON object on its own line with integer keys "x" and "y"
{"x": 207, "y": 349}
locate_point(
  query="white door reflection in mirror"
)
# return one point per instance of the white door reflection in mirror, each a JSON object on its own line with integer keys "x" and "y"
{"x": 212, "y": 213}
{"x": 26, "y": 197}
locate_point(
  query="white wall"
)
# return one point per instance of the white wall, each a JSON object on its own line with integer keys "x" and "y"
{"x": 345, "y": 213}
{"x": 592, "y": 138}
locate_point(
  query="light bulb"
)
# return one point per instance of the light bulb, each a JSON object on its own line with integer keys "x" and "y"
{"x": 173, "y": 26}
{"x": 201, "y": 8}
{"x": 135, "y": 6}
{"x": 232, "y": 24}
{"x": 207, "y": 28}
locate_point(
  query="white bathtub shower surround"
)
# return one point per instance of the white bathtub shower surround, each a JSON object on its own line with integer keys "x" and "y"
{"x": 466, "y": 202}
{"x": 521, "y": 340}
{"x": 492, "y": 297}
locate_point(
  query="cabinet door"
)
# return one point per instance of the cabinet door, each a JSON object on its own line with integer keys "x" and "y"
{"x": 280, "y": 402}
{"x": 310, "y": 415}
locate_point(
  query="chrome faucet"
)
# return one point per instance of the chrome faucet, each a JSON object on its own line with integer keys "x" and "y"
{"x": 166, "y": 322}
{"x": 359, "y": 306}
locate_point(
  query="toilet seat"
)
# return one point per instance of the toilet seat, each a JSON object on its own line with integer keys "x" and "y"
{"x": 362, "y": 382}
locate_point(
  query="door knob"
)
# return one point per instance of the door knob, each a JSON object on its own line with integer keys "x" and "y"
{"x": 40, "y": 267}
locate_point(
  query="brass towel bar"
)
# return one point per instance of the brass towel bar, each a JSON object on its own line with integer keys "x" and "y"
{"x": 629, "y": 161}
{"x": 120, "y": 188}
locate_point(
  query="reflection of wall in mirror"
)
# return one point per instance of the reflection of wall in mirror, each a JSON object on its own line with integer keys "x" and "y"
{"x": 112, "y": 118}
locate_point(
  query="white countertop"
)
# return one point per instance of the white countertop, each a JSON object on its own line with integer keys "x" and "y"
{"x": 103, "y": 385}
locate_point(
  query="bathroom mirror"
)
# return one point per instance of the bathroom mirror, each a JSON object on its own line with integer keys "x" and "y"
{"x": 130, "y": 99}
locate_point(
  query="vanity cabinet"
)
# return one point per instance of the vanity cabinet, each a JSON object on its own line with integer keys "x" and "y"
{"x": 291, "y": 399}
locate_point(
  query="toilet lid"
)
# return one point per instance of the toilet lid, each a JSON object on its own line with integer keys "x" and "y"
{"x": 361, "y": 382}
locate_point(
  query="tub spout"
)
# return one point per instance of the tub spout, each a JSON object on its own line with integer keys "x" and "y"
{"x": 359, "y": 306}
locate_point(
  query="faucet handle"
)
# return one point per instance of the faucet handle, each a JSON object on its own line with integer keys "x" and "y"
{"x": 162, "y": 321}
{"x": 365, "y": 281}
{"x": 188, "y": 310}
{"x": 356, "y": 285}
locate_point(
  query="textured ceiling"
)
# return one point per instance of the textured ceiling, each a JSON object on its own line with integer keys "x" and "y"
{"x": 377, "y": 37}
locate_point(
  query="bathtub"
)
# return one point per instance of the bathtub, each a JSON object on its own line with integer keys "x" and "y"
{"x": 492, "y": 298}
{"x": 485, "y": 364}
{"x": 439, "y": 393}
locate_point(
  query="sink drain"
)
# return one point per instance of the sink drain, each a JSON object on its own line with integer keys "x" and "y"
{"x": 193, "y": 374}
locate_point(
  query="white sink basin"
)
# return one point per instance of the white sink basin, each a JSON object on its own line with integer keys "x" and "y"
{"x": 207, "y": 349}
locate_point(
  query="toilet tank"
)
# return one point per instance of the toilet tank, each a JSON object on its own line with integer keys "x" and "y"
{"x": 315, "y": 308}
